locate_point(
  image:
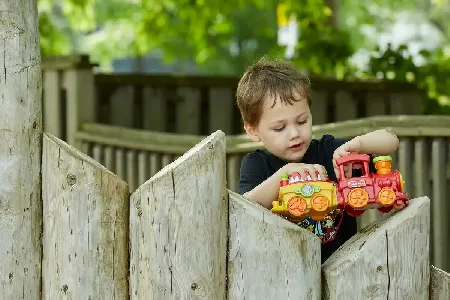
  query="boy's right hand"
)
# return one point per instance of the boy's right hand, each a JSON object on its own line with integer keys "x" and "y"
{"x": 306, "y": 169}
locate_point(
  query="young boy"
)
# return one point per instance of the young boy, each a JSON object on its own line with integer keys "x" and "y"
{"x": 275, "y": 105}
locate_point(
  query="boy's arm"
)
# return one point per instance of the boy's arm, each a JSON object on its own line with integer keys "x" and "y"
{"x": 375, "y": 143}
{"x": 254, "y": 184}
{"x": 378, "y": 142}
{"x": 266, "y": 191}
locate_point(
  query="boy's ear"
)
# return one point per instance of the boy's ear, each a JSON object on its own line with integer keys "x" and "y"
{"x": 252, "y": 133}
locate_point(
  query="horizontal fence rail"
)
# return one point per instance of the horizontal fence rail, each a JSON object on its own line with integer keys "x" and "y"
{"x": 422, "y": 158}
{"x": 200, "y": 104}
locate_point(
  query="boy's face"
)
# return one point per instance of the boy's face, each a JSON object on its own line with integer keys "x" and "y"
{"x": 284, "y": 129}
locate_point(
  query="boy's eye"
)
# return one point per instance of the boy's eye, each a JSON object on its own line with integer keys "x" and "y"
{"x": 303, "y": 122}
{"x": 278, "y": 129}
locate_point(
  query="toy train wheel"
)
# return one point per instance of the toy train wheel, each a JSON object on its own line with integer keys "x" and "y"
{"x": 386, "y": 197}
{"x": 319, "y": 203}
{"x": 296, "y": 206}
{"x": 358, "y": 198}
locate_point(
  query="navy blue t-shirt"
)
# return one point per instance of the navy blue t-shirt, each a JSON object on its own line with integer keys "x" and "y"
{"x": 338, "y": 226}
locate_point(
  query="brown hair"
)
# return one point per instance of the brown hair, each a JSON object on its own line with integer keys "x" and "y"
{"x": 269, "y": 78}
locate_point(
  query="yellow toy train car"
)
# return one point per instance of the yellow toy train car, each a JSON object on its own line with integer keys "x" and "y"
{"x": 300, "y": 197}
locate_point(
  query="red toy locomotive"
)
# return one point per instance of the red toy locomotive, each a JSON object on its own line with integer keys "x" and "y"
{"x": 382, "y": 190}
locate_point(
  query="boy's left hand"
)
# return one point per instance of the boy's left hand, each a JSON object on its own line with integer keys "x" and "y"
{"x": 352, "y": 146}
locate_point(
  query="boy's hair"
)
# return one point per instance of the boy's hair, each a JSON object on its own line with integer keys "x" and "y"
{"x": 269, "y": 78}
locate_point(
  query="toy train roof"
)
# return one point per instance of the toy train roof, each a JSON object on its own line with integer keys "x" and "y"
{"x": 353, "y": 158}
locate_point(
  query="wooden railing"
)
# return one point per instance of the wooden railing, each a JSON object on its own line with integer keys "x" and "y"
{"x": 193, "y": 104}
{"x": 422, "y": 157}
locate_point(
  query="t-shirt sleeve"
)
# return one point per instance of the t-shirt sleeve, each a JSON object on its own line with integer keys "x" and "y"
{"x": 251, "y": 173}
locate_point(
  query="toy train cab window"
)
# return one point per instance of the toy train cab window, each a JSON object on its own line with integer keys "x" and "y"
{"x": 300, "y": 197}
{"x": 383, "y": 190}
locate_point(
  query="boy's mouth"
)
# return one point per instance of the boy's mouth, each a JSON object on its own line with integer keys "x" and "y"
{"x": 296, "y": 147}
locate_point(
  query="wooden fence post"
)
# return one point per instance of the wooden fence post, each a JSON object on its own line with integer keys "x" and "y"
{"x": 270, "y": 258}
{"x": 85, "y": 239}
{"x": 20, "y": 151}
{"x": 73, "y": 77}
{"x": 178, "y": 227}
{"x": 388, "y": 259}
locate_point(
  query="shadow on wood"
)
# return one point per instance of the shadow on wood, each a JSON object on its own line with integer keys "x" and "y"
{"x": 269, "y": 257}
{"x": 85, "y": 239}
{"x": 178, "y": 227}
{"x": 388, "y": 259}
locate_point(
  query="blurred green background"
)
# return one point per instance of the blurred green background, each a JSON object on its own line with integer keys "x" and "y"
{"x": 346, "y": 39}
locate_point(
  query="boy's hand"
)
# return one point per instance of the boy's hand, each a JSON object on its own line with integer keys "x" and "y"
{"x": 306, "y": 170}
{"x": 352, "y": 146}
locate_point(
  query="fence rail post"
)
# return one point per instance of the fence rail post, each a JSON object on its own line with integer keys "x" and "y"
{"x": 269, "y": 257}
{"x": 86, "y": 219}
{"x": 69, "y": 97}
{"x": 20, "y": 151}
{"x": 389, "y": 259}
{"x": 178, "y": 227}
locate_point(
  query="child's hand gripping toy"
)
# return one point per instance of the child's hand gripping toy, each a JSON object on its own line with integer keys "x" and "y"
{"x": 383, "y": 190}
{"x": 300, "y": 197}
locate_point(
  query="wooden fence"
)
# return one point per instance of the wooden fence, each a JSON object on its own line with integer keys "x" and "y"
{"x": 74, "y": 94}
{"x": 191, "y": 237}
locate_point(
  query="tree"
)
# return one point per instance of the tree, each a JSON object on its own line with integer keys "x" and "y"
{"x": 20, "y": 151}
{"x": 224, "y": 37}
{"x": 218, "y": 36}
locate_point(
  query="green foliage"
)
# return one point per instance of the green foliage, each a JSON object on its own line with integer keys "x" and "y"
{"x": 220, "y": 37}
{"x": 224, "y": 37}
{"x": 432, "y": 77}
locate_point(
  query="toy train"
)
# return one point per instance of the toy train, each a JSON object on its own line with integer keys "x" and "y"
{"x": 300, "y": 197}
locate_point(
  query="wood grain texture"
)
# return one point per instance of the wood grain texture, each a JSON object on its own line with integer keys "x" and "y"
{"x": 439, "y": 284}
{"x": 387, "y": 260}
{"x": 178, "y": 227}
{"x": 20, "y": 151}
{"x": 86, "y": 213}
{"x": 269, "y": 257}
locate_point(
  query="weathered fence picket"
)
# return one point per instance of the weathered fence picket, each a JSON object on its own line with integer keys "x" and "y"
{"x": 178, "y": 227}
{"x": 388, "y": 259}
{"x": 20, "y": 151}
{"x": 86, "y": 217}
{"x": 270, "y": 258}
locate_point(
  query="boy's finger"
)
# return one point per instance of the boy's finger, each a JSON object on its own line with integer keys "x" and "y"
{"x": 311, "y": 173}
{"x": 321, "y": 171}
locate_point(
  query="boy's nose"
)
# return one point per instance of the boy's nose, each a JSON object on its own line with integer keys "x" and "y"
{"x": 293, "y": 133}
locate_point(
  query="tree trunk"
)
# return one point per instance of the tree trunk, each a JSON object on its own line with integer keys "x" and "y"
{"x": 20, "y": 151}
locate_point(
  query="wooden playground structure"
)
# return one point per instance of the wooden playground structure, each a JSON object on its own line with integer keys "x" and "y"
{"x": 72, "y": 229}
